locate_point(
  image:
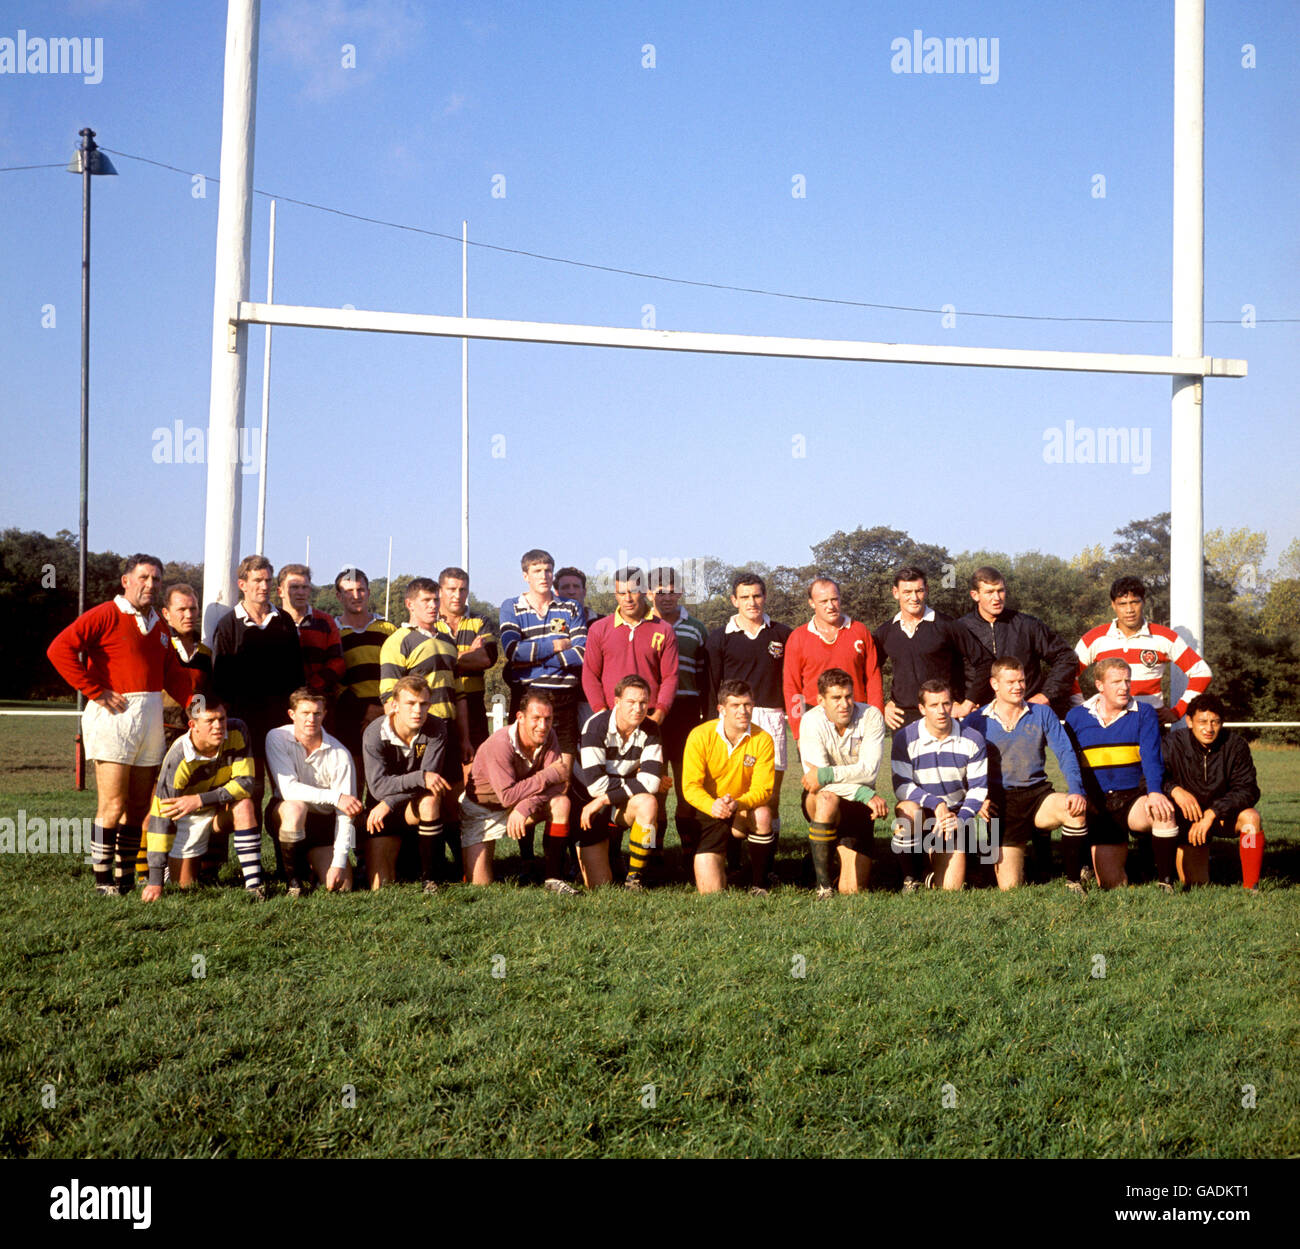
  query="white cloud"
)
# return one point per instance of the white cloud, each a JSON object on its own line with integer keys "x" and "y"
{"x": 311, "y": 35}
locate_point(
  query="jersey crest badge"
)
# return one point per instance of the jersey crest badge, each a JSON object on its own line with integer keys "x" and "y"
{"x": 750, "y": 760}
{"x": 1150, "y": 658}
{"x": 775, "y": 649}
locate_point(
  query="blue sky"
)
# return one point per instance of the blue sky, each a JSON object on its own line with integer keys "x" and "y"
{"x": 921, "y": 190}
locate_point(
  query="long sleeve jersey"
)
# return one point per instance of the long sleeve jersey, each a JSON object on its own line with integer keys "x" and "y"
{"x": 126, "y": 653}
{"x": 1149, "y": 653}
{"x": 528, "y": 640}
{"x": 1050, "y": 665}
{"x": 505, "y": 777}
{"x": 713, "y": 768}
{"x": 808, "y": 655}
{"x": 1018, "y": 754}
{"x": 617, "y": 648}
{"x": 846, "y": 763}
{"x": 1124, "y": 754}
{"x": 733, "y": 655}
{"x": 931, "y": 652}
{"x": 1221, "y": 775}
{"x": 255, "y": 668}
{"x": 395, "y": 769}
{"x": 227, "y": 776}
{"x": 929, "y": 770}
{"x": 609, "y": 763}
{"x": 320, "y": 779}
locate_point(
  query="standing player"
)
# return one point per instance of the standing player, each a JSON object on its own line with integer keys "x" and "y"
{"x": 362, "y": 635}
{"x": 1210, "y": 776}
{"x": 634, "y": 641}
{"x": 750, "y": 647}
{"x": 830, "y": 640}
{"x": 728, "y": 775}
{"x": 323, "y": 665}
{"x": 922, "y": 645}
{"x": 940, "y": 772}
{"x": 687, "y": 709}
{"x": 405, "y": 752}
{"x": 1117, "y": 740}
{"x": 1148, "y": 649}
{"x": 518, "y": 779}
{"x": 128, "y": 662}
{"x": 1016, "y": 735}
{"x": 840, "y": 748}
{"x": 182, "y": 614}
{"x": 476, "y": 652}
{"x": 991, "y": 629}
{"x": 256, "y": 657}
{"x": 315, "y": 796}
{"x": 616, "y": 781}
{"x": 208, "y": 781}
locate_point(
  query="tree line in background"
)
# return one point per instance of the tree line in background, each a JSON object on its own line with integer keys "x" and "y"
{"x": 1252, "y": 617}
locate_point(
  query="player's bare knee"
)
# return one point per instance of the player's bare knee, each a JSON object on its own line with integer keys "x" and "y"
{"x": 644, "y": 808}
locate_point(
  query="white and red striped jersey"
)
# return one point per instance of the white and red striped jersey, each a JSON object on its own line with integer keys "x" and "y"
{"x": 1148, "y": 652}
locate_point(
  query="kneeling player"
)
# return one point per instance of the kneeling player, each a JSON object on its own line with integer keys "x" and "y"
{"x": 728, "y": 774}
{"x": 405, "y": 752}
{"x": 1117, "y": 740}
{"x": 617, "y": 781}
{"x": 1210, "y": 776}
{"x": 940, "y": 770}
{"x": 840, "y": 744}
{"x": 316, "y": 796}
{"x": 1017, "y": 734}
{"x": 207, "y": 782}
{"x": 518, "y": 778}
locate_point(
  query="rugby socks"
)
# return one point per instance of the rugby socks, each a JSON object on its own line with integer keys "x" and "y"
{"x": 1041, "y": 840}
{"x": 1074, "y": 842}
{"x": 142, "y": 856}
{"x": 101, "y": 854}
{"x": 128, "y": 850}
{"x": 761, "y": 846}
{"x": 554, "y": 841}
{"x": 215, "y": 859}
{"x": 1251, "y": 849}
{"x": 822, "y": 837}
{"x": 906, "y": 842}
{"x": 248, "y": 850}
{"x": 1164, "y": 845}
{"x": 293, "y": 854}
{"x": 431, "y": 846}
{"x": 641, "y": 844}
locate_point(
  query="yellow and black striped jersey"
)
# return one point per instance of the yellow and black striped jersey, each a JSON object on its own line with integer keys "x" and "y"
{"x": 413, "y": 652}
{"x": 470, "y": 627}
{"x": 227, "y": 776}
{"x": 361, "y": 651}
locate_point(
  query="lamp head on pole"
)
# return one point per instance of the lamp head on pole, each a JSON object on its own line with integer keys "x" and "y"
{"x": 96, "y": 159}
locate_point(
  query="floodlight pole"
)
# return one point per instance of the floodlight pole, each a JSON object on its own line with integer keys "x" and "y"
{"x": 230, "y": 342}
{"x": 1187, "y": 515}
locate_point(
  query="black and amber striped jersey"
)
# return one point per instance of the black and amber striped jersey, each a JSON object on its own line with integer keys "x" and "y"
{"x": 470, "y": 627}
{"x": 225, "y": 777}
{"x": 361, "y": 650}
{"x": 413, "y": 652}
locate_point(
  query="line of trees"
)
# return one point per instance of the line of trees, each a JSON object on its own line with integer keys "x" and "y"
{"x": 1252, "y": 616}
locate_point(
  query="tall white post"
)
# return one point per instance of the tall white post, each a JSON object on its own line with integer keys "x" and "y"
{"x": 388, "y": 578}
{"x": 266, "y": 395}
{"x": 464, "y": 400}
{"x": 230, "y": 344}
{"x": 1187, "y": 521}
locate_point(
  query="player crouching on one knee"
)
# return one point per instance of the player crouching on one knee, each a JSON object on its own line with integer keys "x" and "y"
{"x": 315, "y": 797}
{"x": 406, "y": 756}
{"x": 207, "y": 786}
{"x": 518, "y": 779}
{"x": 1210, "y": 777}
{"x": 940, "y": 771}
{"x": 840, "y": 744}
{"x": 728, "y": 775}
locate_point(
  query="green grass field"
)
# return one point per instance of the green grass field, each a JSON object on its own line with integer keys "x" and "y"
{"x": 509, "y": 1022}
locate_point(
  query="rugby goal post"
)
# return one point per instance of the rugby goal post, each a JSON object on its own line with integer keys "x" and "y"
{"x": 1186, "y": 364}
